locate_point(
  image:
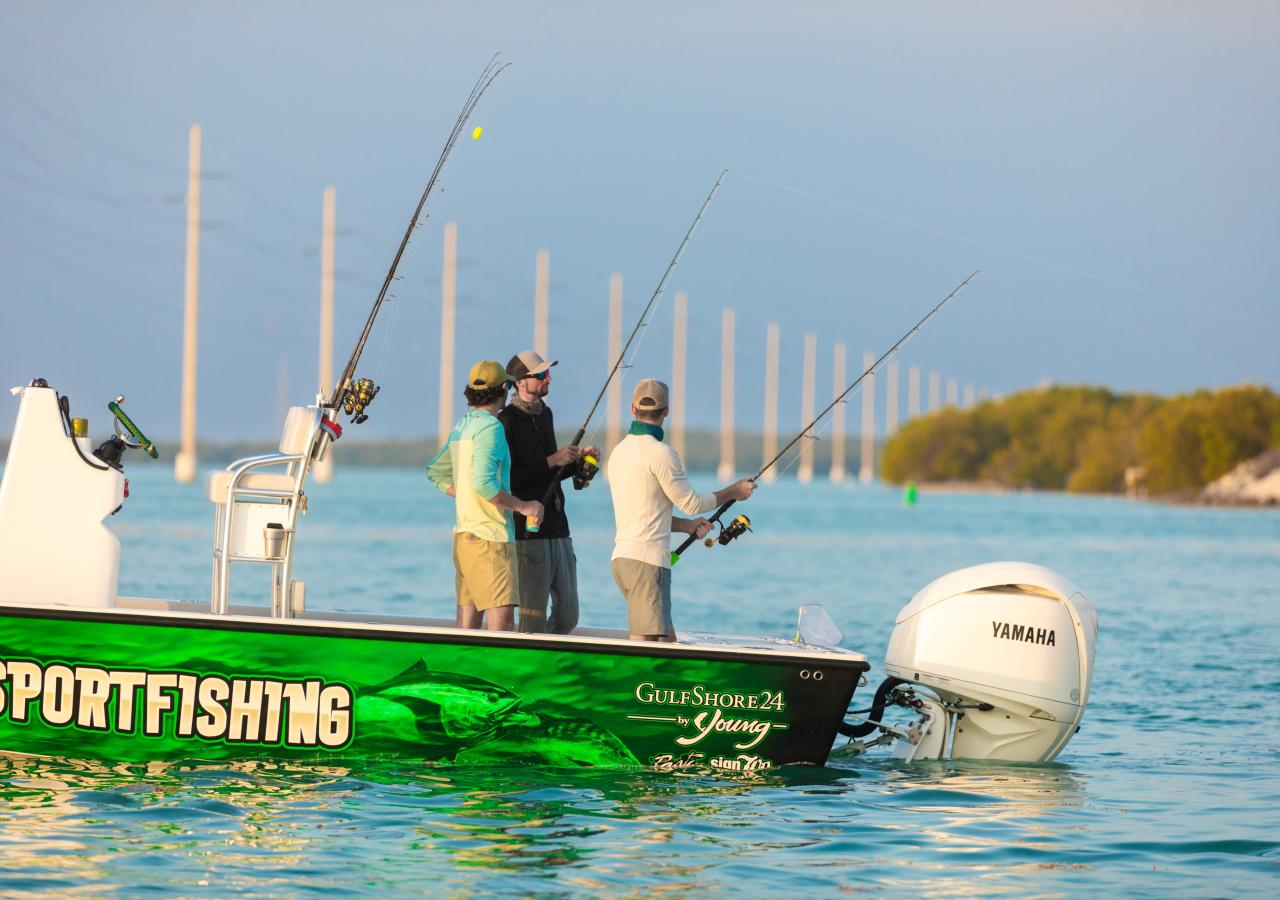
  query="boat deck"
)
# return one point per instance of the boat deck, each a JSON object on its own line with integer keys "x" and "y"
{"x": 612, "y": 638}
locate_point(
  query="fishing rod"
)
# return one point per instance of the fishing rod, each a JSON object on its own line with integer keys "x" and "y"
{"x": 353, "y": 397}
{"x": 742, "y": 524}
{"x": 585, "y": 475}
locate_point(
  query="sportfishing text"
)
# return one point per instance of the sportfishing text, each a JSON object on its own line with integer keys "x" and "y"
{"x": 307, "y": 713}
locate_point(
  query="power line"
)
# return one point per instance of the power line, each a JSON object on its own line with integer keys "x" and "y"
{"x": 83, "y": 190}
{"x": 88, "y": 138}
{"x": 995, "y": 248}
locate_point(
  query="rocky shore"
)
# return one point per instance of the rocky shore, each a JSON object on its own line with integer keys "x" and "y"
{"x": 1255, "y": 482}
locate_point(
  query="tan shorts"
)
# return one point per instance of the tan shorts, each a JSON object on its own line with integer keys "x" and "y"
{"x": 548, "y": 566}
{"x": 648, "y": 591}
{"x": 486, "y": 574}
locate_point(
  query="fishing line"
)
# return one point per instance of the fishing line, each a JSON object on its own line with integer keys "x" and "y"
{"x": 629, "y": 364}
{"x": 642, "y": 324}
{"x": 817, "y": 435}
{"x": 490, "y": 72}
{"x": 1111, "y": 322}
{"x": 726, "y": 533}
{"x": 381, "y": 366}
{"x": 995, "y": 248}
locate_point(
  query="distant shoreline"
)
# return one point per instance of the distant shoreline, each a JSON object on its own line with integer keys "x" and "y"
{"x": 969, "y": 487}
{"x": 1176, "y": 498}
{"x": 701, "y": 453}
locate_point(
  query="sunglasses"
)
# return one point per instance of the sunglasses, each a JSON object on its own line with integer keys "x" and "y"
{"x": 540, "y": 376}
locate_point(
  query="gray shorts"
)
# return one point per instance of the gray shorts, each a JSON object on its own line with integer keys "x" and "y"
{"x": 647, "y": 589}
{"x": 548, "y": 566}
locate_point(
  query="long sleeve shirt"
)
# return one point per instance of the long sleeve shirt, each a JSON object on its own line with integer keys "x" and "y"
{"x": 647, "y": 480}
{"x": 476, "y": 463}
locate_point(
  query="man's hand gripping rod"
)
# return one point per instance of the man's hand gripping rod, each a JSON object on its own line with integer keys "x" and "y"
{"x": 675, "y": 554}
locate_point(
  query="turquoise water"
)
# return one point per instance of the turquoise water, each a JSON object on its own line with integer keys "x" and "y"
{"x": 1172, "y": 786}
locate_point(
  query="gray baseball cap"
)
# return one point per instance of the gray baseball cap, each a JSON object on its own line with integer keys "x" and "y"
{"x": 526, "y": 363}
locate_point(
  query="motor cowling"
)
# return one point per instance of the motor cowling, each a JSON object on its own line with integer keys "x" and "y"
{"x": 1008, "y": 649}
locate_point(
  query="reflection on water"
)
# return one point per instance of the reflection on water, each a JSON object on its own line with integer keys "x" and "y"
{"x": 975, "y": 809}
{"x": 278, "y": 826}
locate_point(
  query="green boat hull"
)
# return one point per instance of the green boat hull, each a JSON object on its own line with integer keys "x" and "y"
{"x": 124, "y": 686}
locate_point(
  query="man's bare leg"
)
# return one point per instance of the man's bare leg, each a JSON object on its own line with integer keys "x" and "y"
{"x": 468, "y": 617}
{"x": 500, "y": 618}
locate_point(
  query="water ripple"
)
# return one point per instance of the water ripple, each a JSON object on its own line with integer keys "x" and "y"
{"x": 1170, "y": 788}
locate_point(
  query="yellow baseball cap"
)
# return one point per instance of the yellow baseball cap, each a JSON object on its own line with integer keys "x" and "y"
{"x": 487, "y": 374}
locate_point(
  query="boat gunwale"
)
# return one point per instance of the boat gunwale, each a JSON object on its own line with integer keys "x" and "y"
{"x": 403, "y": 632}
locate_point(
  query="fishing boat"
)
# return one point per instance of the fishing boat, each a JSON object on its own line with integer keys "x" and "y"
{"x": 993, "y": 661}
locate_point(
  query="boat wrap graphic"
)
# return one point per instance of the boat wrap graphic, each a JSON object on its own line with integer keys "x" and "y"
{"x": 135, "y": 689}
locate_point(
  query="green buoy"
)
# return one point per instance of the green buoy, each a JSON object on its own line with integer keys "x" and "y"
{"x": 910, "y": 494}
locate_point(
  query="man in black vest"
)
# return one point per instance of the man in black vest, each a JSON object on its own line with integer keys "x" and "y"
{"x": 545, "y": 555}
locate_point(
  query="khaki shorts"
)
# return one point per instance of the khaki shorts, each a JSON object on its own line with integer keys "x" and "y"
{"x": 486, "y": 571}
{"x": 648, "y": 591}
{"x": 548, "y": 566}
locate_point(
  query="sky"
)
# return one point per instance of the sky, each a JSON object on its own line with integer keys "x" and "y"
{"x": 1110, "y": 169}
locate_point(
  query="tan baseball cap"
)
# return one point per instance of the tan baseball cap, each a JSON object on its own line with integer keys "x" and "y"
{"x": 650, "y": 394}
{"x": 528, "y": 362}
{"x": 487, "y": 374}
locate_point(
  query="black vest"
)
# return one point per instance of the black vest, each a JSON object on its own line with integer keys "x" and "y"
{"x": 532, "y": 438}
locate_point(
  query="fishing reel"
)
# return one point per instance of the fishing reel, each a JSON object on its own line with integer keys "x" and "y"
{"x": 734, "y": 530}
{"x": 586, "y": 469}
{"x": 357, "y": 399}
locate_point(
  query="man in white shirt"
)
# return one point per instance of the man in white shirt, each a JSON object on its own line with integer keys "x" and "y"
{"x": 647, "y": 480}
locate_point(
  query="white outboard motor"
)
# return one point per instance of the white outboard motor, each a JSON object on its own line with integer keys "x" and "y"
{"x": 997, "y": 659}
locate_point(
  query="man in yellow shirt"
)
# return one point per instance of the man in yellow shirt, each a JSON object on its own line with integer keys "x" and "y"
{"x": 474, "y": 467}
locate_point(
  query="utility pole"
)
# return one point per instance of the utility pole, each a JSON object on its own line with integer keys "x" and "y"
{"x": 804, "y": 473}
{"x": 613, "y": 431}
{"x": 866, "y": 465}
{"x": 891, "y": 399}
{"x": 448, "y": 307}
{"x": 913, "y": 392}
{"x": 322, "y": 471}
{"x": 282, "y": 387}
{"x": 837, "y": 416}
{"x": 724, "y": 472}
{"x": 184, "y": 464}
{"x": 542, "y": 286}
{"x": 679, "y": 353}
{"x": 770, "y": 448}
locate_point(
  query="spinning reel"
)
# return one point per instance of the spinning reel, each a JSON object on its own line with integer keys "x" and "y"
{"x": 586, "y": 469}
{"x": 735, "y": 529}
{"x": 357, "y": 399}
